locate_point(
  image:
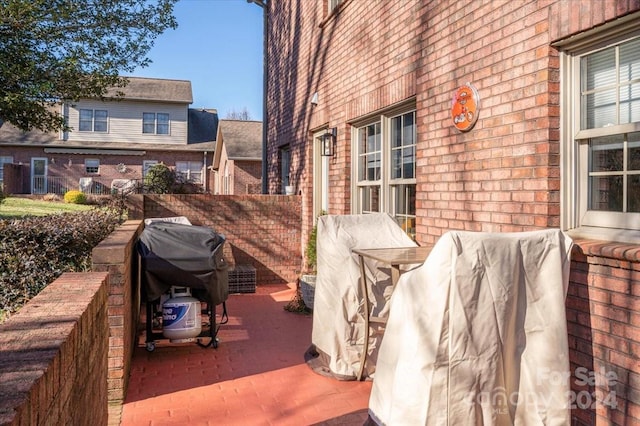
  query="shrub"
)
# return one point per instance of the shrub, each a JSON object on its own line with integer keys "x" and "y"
{"x": 75, "y": 197}
{"x": 159, "y": 179}
{"x": 35, "y": 251}
{"x": 2, "y": 196}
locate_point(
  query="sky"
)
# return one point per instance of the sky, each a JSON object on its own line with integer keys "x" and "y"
{"x": 218, "y": 47}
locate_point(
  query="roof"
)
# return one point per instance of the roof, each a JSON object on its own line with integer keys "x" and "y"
{"x": 242, "y": 139}
{"x": 203, "y": 125}
{"x": 156, "y": 89}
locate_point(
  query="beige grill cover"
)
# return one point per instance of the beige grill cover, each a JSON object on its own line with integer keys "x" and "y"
{"x": 477, "y": 334}
{"x": 338, "y": 322}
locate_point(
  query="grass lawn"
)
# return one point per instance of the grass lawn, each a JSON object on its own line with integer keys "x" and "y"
{"x": 16, "y": 208}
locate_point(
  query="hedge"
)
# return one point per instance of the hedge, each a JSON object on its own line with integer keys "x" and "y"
{"x": 35, "y": 251}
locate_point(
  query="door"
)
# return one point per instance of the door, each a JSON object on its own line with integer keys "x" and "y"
{"x": 38, "y": 175}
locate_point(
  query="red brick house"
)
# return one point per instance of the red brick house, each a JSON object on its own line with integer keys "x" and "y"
{"x": 237, "y": 163}
{"x": 113, "y": 143}
{"x": 551, "y": 141}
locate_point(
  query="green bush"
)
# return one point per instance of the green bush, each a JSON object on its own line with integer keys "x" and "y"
{"x": 2, "y": 196}
{"x": 75, "y": 197}
{"x": 159, "y": 179}
{"x": 35, "y": 251}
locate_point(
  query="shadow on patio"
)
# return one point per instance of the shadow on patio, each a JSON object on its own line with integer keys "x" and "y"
{"x": 256, "y": 376}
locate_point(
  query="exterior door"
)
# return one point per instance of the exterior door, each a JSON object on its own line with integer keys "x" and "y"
{"x": 320, "y": 177}
{"x": 39, "y": 175}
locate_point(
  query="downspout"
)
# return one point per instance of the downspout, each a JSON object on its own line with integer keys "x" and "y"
{"x": 265, "y": 66}
{"x": 205, "y": 180}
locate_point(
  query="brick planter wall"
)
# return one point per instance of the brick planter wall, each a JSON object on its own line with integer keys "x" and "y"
{"x": 116, "y": 255}
{"x": 603, "y": 321}
{"x": 53, "y": 355}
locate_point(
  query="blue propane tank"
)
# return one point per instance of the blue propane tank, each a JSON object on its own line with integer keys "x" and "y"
{"x": 181, "y": 316}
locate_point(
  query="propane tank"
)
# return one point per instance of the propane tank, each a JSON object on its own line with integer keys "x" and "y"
{"x": 181, "y": 317}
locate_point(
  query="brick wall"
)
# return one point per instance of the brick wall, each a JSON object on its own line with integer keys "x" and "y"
{"x": 53, "y": 355}
{"x": 262, "y": 231}
{"x": 603, "y": 320}
{"x": 247, "y": 176}
{"x": 117, "y": 255}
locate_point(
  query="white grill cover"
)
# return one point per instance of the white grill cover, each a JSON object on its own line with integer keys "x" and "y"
{"x": 477, "y": 334}
{"x": 338, "y": 322}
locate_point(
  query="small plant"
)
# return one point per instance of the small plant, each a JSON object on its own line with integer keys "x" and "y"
{"x": 75, "y": 197}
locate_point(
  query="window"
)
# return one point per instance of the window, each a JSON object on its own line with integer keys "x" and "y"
{"x": 157, "y": 123}
{"x": 190, "y": 171}
{"x": 333, "y": 4}
{"x": 91, "y": 166}
{"x": 93, "y": 120}
{"x": 146, "y": 165}
{"x": 602, "y": 125}
{"x": 4, "y": 160}
{"x": 385, "y": 167}
{"x": 285, "y": 166}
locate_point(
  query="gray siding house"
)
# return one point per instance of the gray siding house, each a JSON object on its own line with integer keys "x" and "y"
{"x": 114, "y": 142}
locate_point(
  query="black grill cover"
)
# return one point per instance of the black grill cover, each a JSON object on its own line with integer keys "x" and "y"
{"x": 174, "y": 254}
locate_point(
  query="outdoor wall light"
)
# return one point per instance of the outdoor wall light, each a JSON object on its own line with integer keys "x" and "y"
{"x": 328, "y": 142}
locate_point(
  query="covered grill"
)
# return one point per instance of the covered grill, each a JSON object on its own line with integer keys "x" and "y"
{"x": 181, "y": 255}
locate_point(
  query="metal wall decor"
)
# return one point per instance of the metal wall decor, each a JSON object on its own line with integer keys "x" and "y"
{"x": 465, "y": 107}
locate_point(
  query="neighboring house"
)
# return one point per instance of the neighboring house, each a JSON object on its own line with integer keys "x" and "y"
{"x": 113, "y": 143}
{"x": 558, "y": 88}
{"x": 237, "y": 163}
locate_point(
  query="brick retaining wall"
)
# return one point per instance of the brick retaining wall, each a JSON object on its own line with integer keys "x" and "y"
{"x": 53, "y": 355}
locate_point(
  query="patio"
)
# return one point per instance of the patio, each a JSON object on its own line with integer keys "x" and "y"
{"x": 256, "y": 376}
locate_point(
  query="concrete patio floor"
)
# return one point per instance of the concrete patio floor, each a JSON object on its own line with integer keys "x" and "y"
{"x": 256, "y": 376}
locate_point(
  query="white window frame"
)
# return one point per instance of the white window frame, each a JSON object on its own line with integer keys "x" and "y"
{"x": 191, "y": 171}
{"x": 99, "y": 121}
{"x": 91, "y": 164}
{"x": 160, "y": 122}
{"x": 385, "y": 182}
{"x": 576, "y": 217}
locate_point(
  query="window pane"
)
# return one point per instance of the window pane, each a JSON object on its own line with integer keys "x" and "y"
{"x": 396, "y": 132}
{"x": 606, "y": 193}
{"x": 633, "y": 189}
{"x": 600, "y": 68}
{"x": 404, "y": 199}
{"x": 148, "y": 122}
{"x": 408, "y": 129}
{"x": 630, "y": 61}
{"x": 606, "y": 154}
{"x": 370, "y": 199}
{"x": 408, "y": 162}
{"x": 634, "y": 152}
{"x": 630, "y": 103}
{"x": 396, "y": 163}
{"x": 100, "y": 121}
{"x": 86, "y": 120}
{"x": 601, "y": 109}
{"x": 163, "y": 124}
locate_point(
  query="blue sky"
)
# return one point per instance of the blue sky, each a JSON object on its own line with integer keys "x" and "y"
{"x": 218, "y": 47}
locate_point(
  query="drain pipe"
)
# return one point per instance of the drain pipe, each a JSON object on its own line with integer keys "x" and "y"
{"x": 265, "y": 56}
{"x": 204, "y": 171}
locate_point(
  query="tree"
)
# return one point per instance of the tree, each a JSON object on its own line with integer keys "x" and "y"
{"x": 238, "y": 115}
{"x": 65, "y": 50}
